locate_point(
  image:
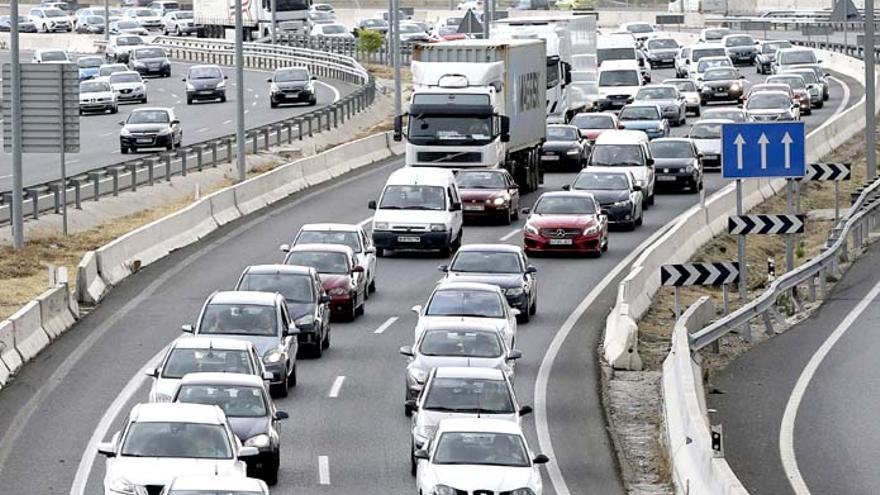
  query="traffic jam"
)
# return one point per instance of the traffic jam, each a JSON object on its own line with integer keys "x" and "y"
{"x": 479, "y": 137}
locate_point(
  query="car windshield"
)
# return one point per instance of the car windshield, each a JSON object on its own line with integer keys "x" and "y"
{"x": 662, "y": 43}
{"x": 593, "y": 181}
{"x": 468, "y": 395}
{"x": 707, "y": 52}
{"x": 289, "y": 75}
{"x": 149, "y": 53}
{"x": 127, "y": 25}
{"x": 617, "y": 155}
{"x": 350, "y": 239}
{"x": 656, "y": 93}
{"x": 184, "y": 15}
{"x": 672, "y": 149}
{"x": 334, "y": 29}
{"x": 373, "y": 23}
{"x": 129, "y": 40}
{"x": 739, "y": 41}
{"x": 413, "y": 197}
{"x": 605, "y": 54}
{"x": 330, "y": 262}
{"x": 237, "y": 401}
{"x": 149, "y": 117}
{"x": 89, "y": 62}
{"x": 239, "y": 319}
{"x": 205, "y": 73}
{"x": 716, "y": 34}
{"x": 486, "y": 449}
{"x": 129, "y": 77}
{"x": 706, "y": 131}
{"x": 808, "y": 75}
{"x": 294, "y": 287}
{"x": 175, "y": 491}
{"x": 768, "y": 101}
{"x": 625, "y": 77}
{"x": 565, "y": 205}
{"x": 410, "y": 28}
{"x": 465, "y": 302}
{"x": 107, "y": 70}
{"x": 795, "y": 82}
{"x": 721, "y": 75}
{"x": 797, "y": 57}
{"x": 479, "y": 179}
{"x": 94, "y": 87}
{"x": 593, "y": 121}
{"x": 54, "y": 13}
{"x": 640, "y": 28}
{"x": 143, "y": 13}
{"x": 486, "y": 262}
{"x": 735, "y": 115}
{"x": 95, "y": 19}
{"x": 683, "y": 86}
{"x": 772, "y": 47}
{"x": 705, "y": 65}
{"x": 180, "y": 440}
{"x": 559, "y": 133}
{"x": 460, "y": 343}
{"x": 183, "y": 361}
{"x": 53, "y": 56}
{"x": 639, "y": 113}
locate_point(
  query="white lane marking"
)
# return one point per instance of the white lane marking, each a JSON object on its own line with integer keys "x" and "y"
{"x": 786, "y": 432}
{"x": 509, "y": 235}
{"x": 250, "y": 90}
{"x": 227, "y": 122}
{"x": 323, "y": 470}
{"x": 542, "y": 425}
{"x": 388, "y": 323}
{"x": 5, "y": 176}
{"x": 203, "y": 129}
{"x": 336, "y": 387}
{"x": 161, "y": 90}
{"x": 256, "y": 95}
{"x": 246, "y": 111}
{"x": 255, "y": 103}
{"x": 107, "y": 134}
{"x": 175, "y": 97}
{"x": 177, "y": 102}
{"x": 336, "y": 95}
{"x": 71, "y": 162}
{"x": 845, "y": 100}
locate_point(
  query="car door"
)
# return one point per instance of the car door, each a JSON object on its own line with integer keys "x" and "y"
{"x": 530, "y": 278}
{"x": 513, "y": 190}
{"x": 635, "y": 196}
{"x": 360, "y": 280}
{"x": 289, "y": 342}
{"x": 369, "y": 253}
{"x": 322, "y": 309}
{"x": 650, "y": 166}
{"x": 456, "y": 217}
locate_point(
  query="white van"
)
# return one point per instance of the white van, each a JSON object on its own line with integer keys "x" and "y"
{"x": 627, "y": 150}
{"x": 790, "y": 58}
{"x": 622, "y": 47}
{"x": 420, "y": 208}
{"x": 619, "y": 81}
{"x": 703, "y": 50}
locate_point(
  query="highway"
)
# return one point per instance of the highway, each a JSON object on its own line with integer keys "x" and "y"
{"x": 99, "y": 133}
{"x": 53, "y": 408}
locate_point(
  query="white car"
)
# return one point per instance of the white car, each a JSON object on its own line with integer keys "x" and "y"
{"x": 187, "y": 485}
{"x": 332, "y": 30}
{"x": 203, "y": 354}
{"x": 50, "y": 20}
{"x": 713, "y": 35}
{"x": 691, "y": 93}
{"x": 97, "y": 96}
{"x": 126, "y": 26}
{"x": 706, "y": 135}
{"x": 51, "y": 57}
{"x": 178, "y": 23}
{"x": 128, "y": 86}
{"x": 470, "y": 5}
{"x": 107, "y": 70}
{"x": 452, "y": 302}
{"x": 322, "y": 7}
{"x": 641, "y": 31}
{"x": 790, "y": 58}
{"x": 478, "y": 456}
{"x": 455, "y": 392}
{"x": 160, "y": 442}
{"x": 147, "y": 18}
{"x": 119, "y": 47}
{"x": 349, "y": 235}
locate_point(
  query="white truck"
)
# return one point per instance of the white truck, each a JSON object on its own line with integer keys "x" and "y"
{"x": 477, "y": 104}
{"x": 571, "y": 58}
{"x": 216, "y": 18}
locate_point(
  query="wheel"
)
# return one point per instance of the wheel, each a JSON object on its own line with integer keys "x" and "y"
{"x": 631, "y": 225}
{"x": 270, "y": 472}
{"x": 123, "y": 150}
{"x": 380, "y": 252}
{"x": 825, "y": 96}
{"x": 280, "y": 390}
{"x": 372, "y": 287}
{"x": 325, "y": 344}
{"x": 144, "y": 99}
{"x": 507, "y": 218}
{"x": 223, "y": 99}
{"x": 318, "y": 349}
{"x": 640, "y": 220}
{"x": 533, "y": 309}
{"x": 515, "y": 214}
{"x": 115, "y": 109}
{"x": 273, "y": 103}
{"x": 292, "y": 381}
{"x": 821, "y": 104}
{"x": 407, "y": 411}
{"x": 165, "y": 31}
{"x": 313, "y": 102}
{"x": 179, "y": 32}
{"x": 353, "y": 313}
{"x": 697, "y": 112}
{"x": 189, "y": 101}
{"x": 170, "y": 146}
{"x": 524, "y": 316}
{"x": 413, "y": 465}
{"x": 651, "y": 199}
{"x": 363, "y": 307}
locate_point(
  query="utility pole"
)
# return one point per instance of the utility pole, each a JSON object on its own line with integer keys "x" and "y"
{"x": 870, "y": 91}
{"x": 395, "y": 48}
{"x": 239, "y": 93}
{"x": 17, "y": 181}
{"x": 274, "y": 7}
{"x": 106, "y": 21}
{"x": 487, "y": 15}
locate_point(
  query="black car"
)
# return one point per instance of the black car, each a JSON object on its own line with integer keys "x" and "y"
{"x": 565, "y": 148}
{"x": 292, "y": 85}
{"x": 249, "y": 410}
{"x": 735, "y": 114}
{"x": 722, "y": 84}
{"x": 150, "y": 61}
{"x": 766, "y": 54}
{"x": 677, "y": 164}
{"x": 205, "y": 82}
{"x": 502, "y": 265}
{"x": 616, "y": 191}
{"x": 661, "y": 52}
{"x": 24, "y": 25}
{"x": 307, "y": 303}
{"x": 93, "y": 24}
{"x": 150, "y": 128}
{"x": 372, "y": 24}
{"x": 741, "y": 48}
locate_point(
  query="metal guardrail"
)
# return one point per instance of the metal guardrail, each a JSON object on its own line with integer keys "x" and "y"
{"x": 346, "y": 46}
{"x": 152, "y": 167}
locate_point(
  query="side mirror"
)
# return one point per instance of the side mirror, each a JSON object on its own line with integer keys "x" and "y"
{"x": 370, "y": 250}
{"x": 358, "y": 269}
{"x": 153, "y": 373}
{"x": 526, "y": 211}
{"x": 398, "y": 128}
{"x": 268, "y": 79}
{"x": 406, "y": 350}
{"x": 416, "y": 309}
{"x": 371, "y": 205}
{"x": 514, "y": 354}
{"x": 314, "y": 78}
{"x": 107, "y": 449}
{"x": 603, "y": 212}
{"x": 421, "y": 454}
{"x": 248, "y": 452}
{"x": 742, "y": 76}
{"x": 175, "y": 122}
{"x": 637, "y": 188}
{"x": 280, "y": 415}
{"x": 183, "y": 79}
{"x": 515, "y": 312}
{"x": 531, "y": 269}
{"x": 267, "y": 375}
{"x": 411, "y": 404}
{"x": 455, "y": 206}
{"x": 284, "y": 248}
{"x": 122, "y": 122}
{"x": 225, "y": 77}
{"x": 505, "y": 129}
{"x": 525, "y": 410}
{"x": 566, "y": 187}
{"x": 187, "y": 328}
{"x": 291, "y": 330}
{"x": 325, "y": 298}
{"x": 443, "y": 268}
{"x": 541, "y": 459}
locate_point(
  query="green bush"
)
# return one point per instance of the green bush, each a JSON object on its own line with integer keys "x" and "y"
{"x": 370, "y": 41}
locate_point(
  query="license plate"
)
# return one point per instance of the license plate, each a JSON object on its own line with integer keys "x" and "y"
{"x": 205, "y": 92}
{"x": 665, "y": 178}
{"x": 666, "y": 61}
{"x": 474, "y": 207}
{"x": 144, "y": 140}
{"x": 550, "y": 158}
{"x": 406, "y": 238}
{"x": 560, "y": 242}
{"x": 721, "y": 93}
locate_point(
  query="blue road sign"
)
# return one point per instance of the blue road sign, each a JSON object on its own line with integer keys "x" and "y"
{"x": 754, "y": 150}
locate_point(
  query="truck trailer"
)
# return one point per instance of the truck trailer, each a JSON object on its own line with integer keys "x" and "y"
{"x": 477, "y": 104}
{"x": 216, "y": 18}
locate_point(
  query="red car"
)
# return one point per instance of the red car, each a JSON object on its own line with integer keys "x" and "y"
{"x": 567, "y": 222}
{"x": 488, "y": 194}
{"x": 343, "y": 279}
{"x": 592, "y": 124}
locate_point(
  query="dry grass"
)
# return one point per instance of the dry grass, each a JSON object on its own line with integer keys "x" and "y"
{"x": 387, "y": 72}
{"x": 656, "y": 325}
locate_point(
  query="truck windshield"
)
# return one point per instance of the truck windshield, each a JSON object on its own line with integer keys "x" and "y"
{"x": 287, "y": 5}
{"x": 430, "y": 130}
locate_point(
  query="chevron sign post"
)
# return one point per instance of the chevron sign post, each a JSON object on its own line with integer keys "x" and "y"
{"x": 765, "y": 224}
{"x": 722, "y": 273}
{"x": 830, "y": 171}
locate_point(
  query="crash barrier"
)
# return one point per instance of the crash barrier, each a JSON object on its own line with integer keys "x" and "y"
{"x": 148, "y": 169}
{"x": 695, "y": 462}
{"x": 348, "y": 47}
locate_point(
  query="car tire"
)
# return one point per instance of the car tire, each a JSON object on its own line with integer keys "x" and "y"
{"x": 651, "y": 199}
{"x": 223, "y": 98}
{"x": 291, "y": 382}
{"x": 413, "y": 465}
{"x": 363, "y": 307}
{"x": 80, "y": 111}
{"x": 189, "y": 101}
{"x": 115, "y": 109}
{"x": 280, "y": 390}
{"x": 326, "y": 342}
{"x": 273, "y": 103}
{"x": 821, "y": 104}
{"x": 270, "y": 473}
{"x": 507, "y": 218}
{"x": 533, "y": 308}
{"x": 523, "y": 316}
{"x": 123, "y": 150}
{"x": 372, "y": 287}
{"x": 697, "y": 112}
{"x": 352, "y": 315}
{"x": 313, "y": 102}
{"x": 144, "y": 99}
{"x": 170, "y": 146}
{"x": 380, "y": 252}
{"x": 639, "y": 221}
{"x": 407, "y": 411}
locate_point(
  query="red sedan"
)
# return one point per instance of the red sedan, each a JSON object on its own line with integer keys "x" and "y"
{"x": 488, "y": 194}
{"x": 592, "y": 124}
{"x": 566, "y": 222}
{"x": 343, "y": 279}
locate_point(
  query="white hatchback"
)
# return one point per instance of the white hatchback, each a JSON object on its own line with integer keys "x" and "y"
{"x": 466, "y": 301}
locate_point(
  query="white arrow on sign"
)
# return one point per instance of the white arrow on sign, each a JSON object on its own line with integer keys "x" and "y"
{"x": 739, "y": 142}
{"x": 763, "y": 141}
{"x": 786, "y": 141}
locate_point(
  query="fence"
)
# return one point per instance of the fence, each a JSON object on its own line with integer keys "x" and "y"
{"x": 348, "y": 47}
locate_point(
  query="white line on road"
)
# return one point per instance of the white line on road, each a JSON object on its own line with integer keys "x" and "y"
{"x": 203, "y": 129}
{"x": 336, "y": 95}
{"x": 246, "y": 111}
{"x": 107, "y": 134}
{"x": 388, "y": 323}
{"x": 510, "y": 234}
{"x": 176, "y": 97}
{"x": 161, "y": 90}
{"x": 336, "y": 387}
{"x": 227, "y": 122}
{"x": 323, "y": 470}
{"x": 71, "y": 162}
{"x": 250, "y": 90}
{"x": 5, "y": 176}
{"x": 786, "y": 432}
{"x": 845, "y": 100}
{"x": 255, "y": 104}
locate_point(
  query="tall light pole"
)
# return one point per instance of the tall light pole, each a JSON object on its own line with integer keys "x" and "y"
{"x": 17, "y": 216}
{"x": 273, "y": 5}
{"x": 870, "y": 109}
{"x": 239, "y": 93}
{"x": 106, "y": 21}
{"x": 487, "y": 15}
{"x": 395, "y": 49}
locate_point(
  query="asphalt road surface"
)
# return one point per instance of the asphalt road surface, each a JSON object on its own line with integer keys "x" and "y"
{"x": 99, "y": 133}
{"x": 54, "y": 407}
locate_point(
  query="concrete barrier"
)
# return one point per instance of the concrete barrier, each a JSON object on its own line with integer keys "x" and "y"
{"x": 90, "y": 287}
{"x": 9, "y": 356}
{"x": 223, "y": 207}
{"x": 56, "y": 315}
{"x": 27, "y": 330}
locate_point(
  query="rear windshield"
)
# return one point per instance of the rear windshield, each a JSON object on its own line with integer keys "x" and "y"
{"x": 626, "y": 77}
{"x": 797, "y": 57}
{"x": 625, "y": 53}
{"x": 617, "y": 155}
{"x": 707, "y": 52}
{"x": 706, "y": 131}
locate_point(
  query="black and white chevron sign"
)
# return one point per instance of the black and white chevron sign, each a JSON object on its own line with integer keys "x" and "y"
{"x": 699, "y": 274}
{"x": 828, "y": 171}
{"x": 765, "y": 224}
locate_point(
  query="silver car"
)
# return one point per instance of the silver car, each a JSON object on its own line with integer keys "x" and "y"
{"x": 666, "y": 96}
{"x": 128, "y": 86}
{"x": 178, "y": 23}
{"x": 706, "y": 135}
{"x": 688, "y": 89}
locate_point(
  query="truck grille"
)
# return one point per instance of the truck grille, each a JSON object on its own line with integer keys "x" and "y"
{"x": 449, "y": 157}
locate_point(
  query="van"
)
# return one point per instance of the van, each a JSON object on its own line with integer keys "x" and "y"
{"x": 790, "y": 58}
{"x": 701, "y": 50}
{"x": 420, "y": 209}
{"x": 630, "y": 151}
{"x": 619, "y": 81}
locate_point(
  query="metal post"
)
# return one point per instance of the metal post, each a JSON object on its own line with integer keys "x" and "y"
{"x": 870, "y": 115}
{"x": 677, "y": 307}
{"x": 741, "y": 249}
{"x": 17, "y": 183}
{"x": 106, "y": 22}
{"x": 789, "y": 238}
{"x": 486, "y": 17}
{"x": 725, "y": 299}
{"x": 273, "y": 6}
{"x": 836, "y": 201}
{"x": 63, "y": 161}
{"x": 395, "y": 40}
{"x": 239, "y": 93}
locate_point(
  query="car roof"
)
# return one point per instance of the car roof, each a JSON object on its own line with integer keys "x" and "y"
{"x": 205, "y": 66}
{"x": 714, "y": 121}
{"x": 773, "y": 92}
{"x": 335, "y": 227}
{"x": 703, "y": 46}
{"x": 642, "y": 103}
{"x": 285, "y": 269}
{"x": 444, "y": 285}
{"x": 478, "y": 425}
{"x": 149, "y": 109}
{"x": 216, "y": 378}
{"x": 606, "y": 170}
{"x": 469, "y": 372}
{"x": 566, "y": 126}
{"x": 465, "y": 325}
{"x": 336, "y": 248}
{"x": 619, "y": 65}
{"x": 616, "y": 136}
{"x": 176, "y": 412}
{"x": 507, "y": 248}
{"x": 429, "y": 176}
{"x": 202, "y": 342}
{"x": 562, "y": 194}
{"x": 244, "y": 297}
{"x": 672, "y": 139}
{"x": 662, "y": 86}
{"x": 122, "y": 71}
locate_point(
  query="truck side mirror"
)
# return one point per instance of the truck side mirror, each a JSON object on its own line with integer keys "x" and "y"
{"x": 505, "y": 128}
{"x": 398, "y": 128}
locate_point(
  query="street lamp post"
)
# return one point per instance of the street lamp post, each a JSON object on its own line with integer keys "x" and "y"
{"x": 17, "y": 215}
{"x": 870, "y": 78}
{"x": 239, "y": 93}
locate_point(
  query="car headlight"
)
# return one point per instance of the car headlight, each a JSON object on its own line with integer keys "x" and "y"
{"x": 522, "y": 491}
{"x": 304, "y": 321}
{"x": 338, "y": 291}
{"x": 259, "y": 441}
{"x": 499, "y": 200}
{"x": 591, "y": 230}
{"x": 418, "y": 375}
{"x": 625, "y": 202}
{"x": 442, "y": 490}
{"x": 273, "y": 356}
{"x": 125, "y": 132}
{"x": 139, "y": 64}
{"x": 515, "y": 291}
{"x": 531, "y": 229}
{"x": 122, "y": 485}
{"x": 573, "y": 151}
{"x": 735, "y": 87}
{"x": 690, "y": 169}
{"x": 190, "y": 87}
{"x": 221, "y": 85}
{"x": 380, "y": 226}
{"x": 424, "y": 433}
{"x": 164, "y": 132}
{"x": 273, "y": 88}
{"x": 310, "y": 87}
{"x": 438, "y": 227}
